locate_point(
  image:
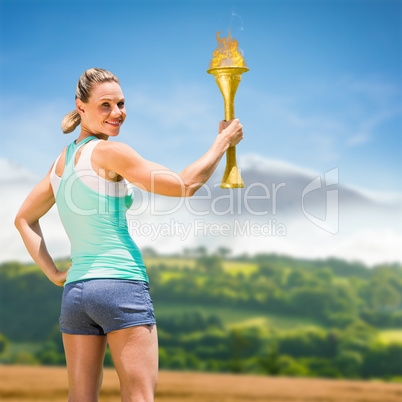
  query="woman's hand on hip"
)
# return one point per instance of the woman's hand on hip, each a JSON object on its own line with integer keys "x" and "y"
{"x": 59, "y": 277}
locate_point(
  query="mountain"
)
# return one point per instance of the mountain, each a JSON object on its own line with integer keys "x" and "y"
{"x": 275, "y": 189}
{"x": 282, "y": 208}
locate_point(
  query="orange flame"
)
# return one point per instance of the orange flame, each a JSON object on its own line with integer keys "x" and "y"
{"x": 227, "y": 53}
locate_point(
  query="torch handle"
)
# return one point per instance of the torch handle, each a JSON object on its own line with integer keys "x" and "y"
{"x": 231, "y": 156}
{"x": 229, "y": 110}
{"x": 231, "y": 177}
{"x": 231, "y": 151}
{"x": 228, "y": 79}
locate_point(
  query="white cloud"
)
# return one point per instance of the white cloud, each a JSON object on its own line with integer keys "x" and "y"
{"x": 358, "y": 139}
{"x": 259, "y": 162}
{"x": 367, "y": 127}
{"x": 367, "y": 243}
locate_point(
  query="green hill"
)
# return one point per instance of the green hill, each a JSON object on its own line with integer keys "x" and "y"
{"x": 263, "y": 314}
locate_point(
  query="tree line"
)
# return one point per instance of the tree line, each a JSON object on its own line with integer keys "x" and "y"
{"x": 350, "y": 300}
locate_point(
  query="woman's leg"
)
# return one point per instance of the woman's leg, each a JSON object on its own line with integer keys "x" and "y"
{"x": 135, "y": 356}
{"x": 84, "y": 355}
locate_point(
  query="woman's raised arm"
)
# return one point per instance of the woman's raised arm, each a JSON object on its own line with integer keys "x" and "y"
{"x": 37, "y": 204}
{"x": 155, "y": 178}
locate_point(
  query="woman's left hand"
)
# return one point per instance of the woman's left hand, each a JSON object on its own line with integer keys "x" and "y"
{"x": 59, "y": 277}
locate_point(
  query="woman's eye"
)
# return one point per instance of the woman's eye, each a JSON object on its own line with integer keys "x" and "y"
{"x": 121, "y": 104}
{"x": 105, "y": 104}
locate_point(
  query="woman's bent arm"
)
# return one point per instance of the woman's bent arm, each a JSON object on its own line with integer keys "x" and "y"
{"x": 38, "y": 202}
{"x": 198, "y": 173}
{"x": 158, "y": 179}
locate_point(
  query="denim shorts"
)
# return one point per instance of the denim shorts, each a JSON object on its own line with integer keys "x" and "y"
{"x": 99, "y": 306}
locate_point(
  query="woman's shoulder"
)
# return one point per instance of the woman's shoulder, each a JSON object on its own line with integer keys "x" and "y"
{"x": 107, "y": 144}
{"x": 112, "y": 155}
{"x": 114, "y": 149}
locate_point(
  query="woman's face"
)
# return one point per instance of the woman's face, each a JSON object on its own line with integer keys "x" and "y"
{"x": 105, "y": 111}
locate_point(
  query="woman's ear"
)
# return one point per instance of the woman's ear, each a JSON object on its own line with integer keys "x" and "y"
{"x": 80, "y": 106}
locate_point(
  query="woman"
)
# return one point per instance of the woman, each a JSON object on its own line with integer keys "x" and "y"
{"x": 106, "y": 295}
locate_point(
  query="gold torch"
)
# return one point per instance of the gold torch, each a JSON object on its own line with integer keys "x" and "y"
{"x": 227, "y": 66}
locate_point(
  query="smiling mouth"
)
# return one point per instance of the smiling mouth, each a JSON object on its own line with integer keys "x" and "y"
{"x": 114, "y": 123}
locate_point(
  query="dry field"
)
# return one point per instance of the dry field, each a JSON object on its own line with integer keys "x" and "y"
{"x": 48, "y": 384}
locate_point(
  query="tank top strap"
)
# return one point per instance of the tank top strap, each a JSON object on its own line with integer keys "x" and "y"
{"x": 84, "y": 163}
{"x": 72, "y": 151}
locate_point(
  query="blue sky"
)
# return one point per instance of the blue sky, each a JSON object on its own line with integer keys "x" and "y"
{"x": 323, "y": 91}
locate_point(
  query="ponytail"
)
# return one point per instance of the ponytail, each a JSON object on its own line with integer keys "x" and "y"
{"x": 70, "y": 121}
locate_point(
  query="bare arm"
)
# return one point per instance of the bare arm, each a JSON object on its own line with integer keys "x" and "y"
{"x": 198, "y": 173}
{"x": 37, "y": 204}
{"x": 158, "y": 179}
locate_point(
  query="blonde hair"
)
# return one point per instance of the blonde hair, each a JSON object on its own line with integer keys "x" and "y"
{"x": 83, "y": 91}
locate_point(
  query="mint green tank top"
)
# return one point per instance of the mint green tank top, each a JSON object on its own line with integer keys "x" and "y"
{"x": 96, "y": 225}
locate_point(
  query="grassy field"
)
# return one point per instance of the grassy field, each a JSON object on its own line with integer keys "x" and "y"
{"x": 234, "y": 317}
{"x": 231, "y": 318}
{"x": 391, "y": 335}
{"x": 149, "y": 261}
{"x": 29, "y": 347}
{"x": 33, "y": 384}
{"x": 233, "y": 267}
